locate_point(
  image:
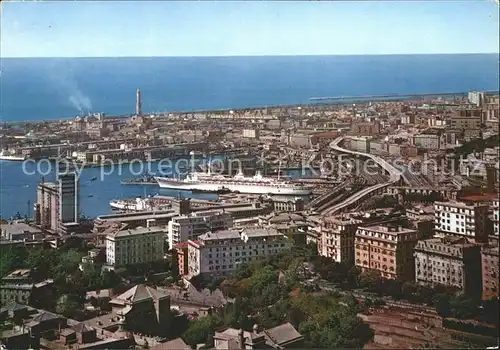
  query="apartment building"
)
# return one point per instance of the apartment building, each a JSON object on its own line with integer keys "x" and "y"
{"x": 460, "y": 219}
{"x": 337, "y": 239}
{"x": 251, "y": 133}
{"x": 427, "y": 141}
{"x": 449, "y": 261}
{"x": 365, "y": 129}
{"x": 489, "y": 264}
{"x": 434, "y": 139}
{"x": 387, "y": 250}
{"x": 496, "y": 218}
{"x": 189, "y": 227}
{"x": 223, "y": 252}
{"x": 136, "y": 246}
{"x": 469, "y": 125}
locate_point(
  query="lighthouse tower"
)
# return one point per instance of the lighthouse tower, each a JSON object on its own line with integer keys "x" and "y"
{"x": 138, "y": 103}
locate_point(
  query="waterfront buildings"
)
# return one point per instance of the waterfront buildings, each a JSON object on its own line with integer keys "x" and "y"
{"x": 449, "y": 261}
{"x": 57, "y": 206}
{"x": 47, "y": 206}
{"x": 189, "y": 227}
{"x": 460, "y": 219}
{"x": 337, "y": 239}
{"x": 387, "y": 250}
{"x": 135, "y": 246}
{"x": 69, "y": 197}
{"x": 489, "y": 262}
{"x": 223, "y": 252}
{"x": 20, "y": 231}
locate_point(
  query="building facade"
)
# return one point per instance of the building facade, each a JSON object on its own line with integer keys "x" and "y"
{"x": 69, "y": 195}
{"x": 448, "y": 261}
{"x": 337, "y": 239}
{"x": 387, "y": 250}
{"x": 189, "y": 227}
{"x": 496, "y": 217}
{"x": 489, "y": 264}
{"x": 224, "y": 251}
{"x": 137, "y": 246}
{"x": 251, "y": 133}
{"x": 47, "y": 206}
{"x": 459, "y": 219}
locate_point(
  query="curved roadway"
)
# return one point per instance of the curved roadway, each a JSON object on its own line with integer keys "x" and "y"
{"x": 395, "y": 175}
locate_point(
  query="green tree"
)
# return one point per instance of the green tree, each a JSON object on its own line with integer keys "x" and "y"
{"x": 67, "y": 305}
{"x": 12, "y": 258}
{"x": 199, "y": 330}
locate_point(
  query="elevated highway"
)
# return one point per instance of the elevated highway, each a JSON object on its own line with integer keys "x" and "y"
{"x": 394, "y": 177}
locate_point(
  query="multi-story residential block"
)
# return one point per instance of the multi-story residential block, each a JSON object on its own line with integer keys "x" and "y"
{"x": 449, "y": 261}
{"x": 386, "y": 249}
{"x": 223, "y": 251}
{"x": 434, "y": 139}
{"x": 47, "y": 206}
{"x": 137, "y": 246}
{"x": 337, "y": 239}
{"x": 189, "y": 227}
{"x": 460, "y": 219}
{"x": 476, "y": 97}
{"x": 496, "y": 217}
{"x": 489, "y": 263}
{"x": 251, "y": 133}
{"x": 287, "y": 204}
{"x": 427, "y": 141}
{"x": 182, "y": 257}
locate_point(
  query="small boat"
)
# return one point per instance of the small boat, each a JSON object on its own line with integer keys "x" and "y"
{"x": 94, "y": 178}
{"x": 90, "y": 195}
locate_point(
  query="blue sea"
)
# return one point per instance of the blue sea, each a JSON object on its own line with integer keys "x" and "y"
{"x": 49, "y": 88}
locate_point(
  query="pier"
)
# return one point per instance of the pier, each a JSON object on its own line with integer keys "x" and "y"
{"x": 391, "y": 96}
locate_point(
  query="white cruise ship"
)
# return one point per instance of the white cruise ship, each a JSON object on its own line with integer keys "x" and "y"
{"x": 239, "y": 183}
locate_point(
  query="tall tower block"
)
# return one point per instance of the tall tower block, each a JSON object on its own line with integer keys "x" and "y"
{"x": 138, "y": 103}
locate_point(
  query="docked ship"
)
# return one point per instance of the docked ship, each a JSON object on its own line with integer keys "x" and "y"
{"x": 216, "y": 183}
{"x": 140, "y": 204}
{"x": 5, "y": 155}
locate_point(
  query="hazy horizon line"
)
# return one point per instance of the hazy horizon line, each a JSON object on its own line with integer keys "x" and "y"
{"x": 284, "y": 55}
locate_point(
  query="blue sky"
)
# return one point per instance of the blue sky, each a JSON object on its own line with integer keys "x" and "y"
{"x": 224, "y": 28}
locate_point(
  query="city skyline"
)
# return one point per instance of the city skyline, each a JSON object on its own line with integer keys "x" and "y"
{"x": 267, "y": 28}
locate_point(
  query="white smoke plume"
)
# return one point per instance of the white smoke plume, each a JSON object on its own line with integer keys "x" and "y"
{"x": 62, "y": 76}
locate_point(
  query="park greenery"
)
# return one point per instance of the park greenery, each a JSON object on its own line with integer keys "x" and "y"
{"x": 318, "y": 296}
{"x": 477, "y": 145}
{"x": 62, "y": 266}
{"x": 270, "y": 294}
{"x": 284, "y": 290}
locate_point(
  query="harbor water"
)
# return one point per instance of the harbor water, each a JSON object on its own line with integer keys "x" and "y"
{"x": 98, "y": 186}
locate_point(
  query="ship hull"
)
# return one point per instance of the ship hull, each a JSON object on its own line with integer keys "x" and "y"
{"x": 12, "y": 158}
{"x": 241, "y": 188}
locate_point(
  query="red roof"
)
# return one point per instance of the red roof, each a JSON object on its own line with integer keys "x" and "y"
{"x": 181, "y": 245}
{"x": 480, "y": 197}
{"x": 197, "y": 242}
{"x": 326, "y": 134}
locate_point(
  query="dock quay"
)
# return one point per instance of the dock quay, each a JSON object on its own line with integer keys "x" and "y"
{"x": 238, "y": 211}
